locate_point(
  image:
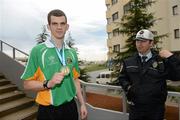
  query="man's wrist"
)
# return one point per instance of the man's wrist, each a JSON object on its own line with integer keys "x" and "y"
{"x": 45, "y": 84}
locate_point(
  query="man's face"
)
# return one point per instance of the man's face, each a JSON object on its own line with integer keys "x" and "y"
{"x": 143, "y": 46}
{"x": 58, "y": 27}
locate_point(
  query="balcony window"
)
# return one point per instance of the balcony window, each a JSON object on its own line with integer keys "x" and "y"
{"x": 176, "y": 34}
{"x": 116, "y": 48}
{"x": 108, "y": 6}
{"x": 108, "y": 20}
{"x": 114, "y": 1}
{"x": 116, "y": 32}
{"x": 175, "y": 10}
{"x": 126, "y": 8}
{"x": 109, "y": 35}
{"x": 115, "y": 16}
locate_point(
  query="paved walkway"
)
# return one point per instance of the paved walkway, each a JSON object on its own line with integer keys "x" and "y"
{"x": 114, "y": 103}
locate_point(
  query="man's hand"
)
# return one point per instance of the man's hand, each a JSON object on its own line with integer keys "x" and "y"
{"x": 56, "y": 79}
{"x": 83, "y": 111}
{"x": 165, "y": 53}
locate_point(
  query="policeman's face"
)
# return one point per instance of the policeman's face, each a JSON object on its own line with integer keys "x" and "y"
{"x": 58, "y": 27}
{"x": 143, "y": 46}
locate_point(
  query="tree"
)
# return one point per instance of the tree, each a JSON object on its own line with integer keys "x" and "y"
{"x": 136, "y": 18}
{"x": 83, "y": 75}
{"x": 70, "y": 40}
{"x": 42, "y": 37}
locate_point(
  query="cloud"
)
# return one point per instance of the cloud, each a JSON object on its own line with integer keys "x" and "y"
{"x": 22, "y": 20}
{"x": 91, "y": 52}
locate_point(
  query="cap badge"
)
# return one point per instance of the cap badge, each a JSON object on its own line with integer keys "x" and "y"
{"x": 141, "y": 32}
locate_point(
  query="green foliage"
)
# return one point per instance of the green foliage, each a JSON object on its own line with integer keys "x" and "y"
{"x": 136, "y": 19}
{"x": 42, "y": 37}
{"x": 94, "y": 67}
{"x": 173, "y": 88}
{"x": 70, "y": 41}
{"x": 83, "y": 75}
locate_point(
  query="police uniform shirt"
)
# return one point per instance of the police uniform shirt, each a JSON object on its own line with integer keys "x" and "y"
{"x": 149, "y": 55}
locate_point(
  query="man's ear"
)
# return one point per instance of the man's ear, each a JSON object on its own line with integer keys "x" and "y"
{"x": 152, "y": 43}
{"x": 67, "y": 27}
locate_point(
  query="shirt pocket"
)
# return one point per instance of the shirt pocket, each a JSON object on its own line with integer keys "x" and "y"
{"x": 132, "y": 69}
{"x": 132, "y": 72}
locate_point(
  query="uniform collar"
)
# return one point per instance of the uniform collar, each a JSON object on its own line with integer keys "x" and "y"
{"x": 148, "y": 55}
{"x": 49, "y": 44}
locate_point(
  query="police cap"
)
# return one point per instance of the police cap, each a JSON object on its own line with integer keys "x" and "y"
{"x": 144, "y": 35}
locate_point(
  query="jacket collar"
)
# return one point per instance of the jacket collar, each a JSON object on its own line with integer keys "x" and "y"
{"x": 49, "y": 44}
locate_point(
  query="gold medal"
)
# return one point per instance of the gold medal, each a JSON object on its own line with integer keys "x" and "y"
{"x": 65, "y": 70}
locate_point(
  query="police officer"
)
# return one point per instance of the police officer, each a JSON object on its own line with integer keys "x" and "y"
{"x": 143, "y": 78}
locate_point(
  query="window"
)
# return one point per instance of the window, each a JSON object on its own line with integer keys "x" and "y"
{"x": 108, "y": 20}
{"x": 175, "y": 10}
{"x": 116, "y": 32}
{"x": 116, "y": 48}
{"x": 109, "y": 35}
{"x": 108, "y": 6}
{"x": 115, "y": 16}
{"x": 127, "y": 7}
{"x": 176, "y": 33}
{"x": 114, "y": 1}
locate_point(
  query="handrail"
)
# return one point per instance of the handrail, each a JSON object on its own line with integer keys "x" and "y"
{"x": 14, "y": 49}
{"x": 85, "y": 84}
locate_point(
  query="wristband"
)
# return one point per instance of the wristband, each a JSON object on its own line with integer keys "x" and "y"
{"x": 45, "y": 84}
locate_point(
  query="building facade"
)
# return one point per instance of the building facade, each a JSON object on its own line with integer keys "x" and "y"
{"x": 167, "y": 10}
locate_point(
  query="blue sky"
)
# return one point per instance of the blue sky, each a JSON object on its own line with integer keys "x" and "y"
{"x": 22, "y": 20}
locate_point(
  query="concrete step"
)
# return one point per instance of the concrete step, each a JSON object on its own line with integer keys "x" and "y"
{"x": 6, "y": 97}
{"x": 14, "y": 106}
{"x": 24, "y": 114}
{"x": 2, "y": 76}
{"x": 4, "y": 82}
{"x": 7, "y": 88}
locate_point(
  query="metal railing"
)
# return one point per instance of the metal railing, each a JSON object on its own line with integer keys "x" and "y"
{"x": 85, "y": 85}
{"x": 2, "y": 43}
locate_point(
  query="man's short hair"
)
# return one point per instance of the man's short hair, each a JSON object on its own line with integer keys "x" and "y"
{"x": 57, "y": 13}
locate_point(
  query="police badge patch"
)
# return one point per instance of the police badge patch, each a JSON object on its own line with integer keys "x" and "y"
{"x": 155, "y": 64}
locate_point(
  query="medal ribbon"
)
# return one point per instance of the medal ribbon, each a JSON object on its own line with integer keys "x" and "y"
{"x": 60, "y": 56}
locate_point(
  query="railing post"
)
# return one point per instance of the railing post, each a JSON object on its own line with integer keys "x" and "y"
{"x": 124, "y": 103}
{"x": 179, "y": 108}
{"x": 1, "y": 46}
{"x": 14, "y": 56}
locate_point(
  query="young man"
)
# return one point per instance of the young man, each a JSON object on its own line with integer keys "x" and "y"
{"x": 52, "y": 70}
{"x": 143, "y": 78}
